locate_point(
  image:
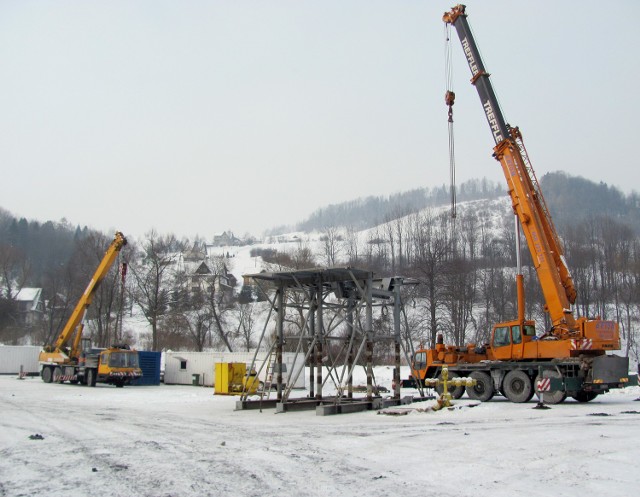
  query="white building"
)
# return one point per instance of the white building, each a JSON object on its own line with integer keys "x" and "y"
{"x": 12, "y": 358}
{"x": 180, "y": 367}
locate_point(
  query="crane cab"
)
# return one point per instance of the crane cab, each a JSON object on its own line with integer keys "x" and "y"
{"x": 510, "y": 339}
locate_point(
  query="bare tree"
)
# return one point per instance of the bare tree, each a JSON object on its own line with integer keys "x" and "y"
{"x": 302, "y": 256}
{"x": 352, "y": 244}
{"x": 151, "y": 272}
{"x": 331, "y": 238}
{"x": 389, "y": 232}
{"x": 246, "y": 316}
{"x": 57, "y": 286}
{"x": 581, "y": 256}
{"x": 188, "y": 313}
{"x": 433, "y": 248}
{"x": 399, "y": 227}
{"x": 376, "y": 250}
{"x": 460, "y": 278}
{"x": 198, "y": 324}
{"x": 219, "y": 300}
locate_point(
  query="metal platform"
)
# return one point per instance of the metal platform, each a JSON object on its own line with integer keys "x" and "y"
{"x": 327, "y": 315}
{"x": 329, "y": 405}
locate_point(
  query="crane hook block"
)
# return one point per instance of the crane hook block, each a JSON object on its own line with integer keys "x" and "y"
{"x": 449, "y": 98}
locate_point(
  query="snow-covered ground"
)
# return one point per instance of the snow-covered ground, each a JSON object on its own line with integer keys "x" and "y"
{"x": 184, "y": 441}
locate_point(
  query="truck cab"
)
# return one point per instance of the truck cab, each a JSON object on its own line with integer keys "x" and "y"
{"x": 118, "y": 366}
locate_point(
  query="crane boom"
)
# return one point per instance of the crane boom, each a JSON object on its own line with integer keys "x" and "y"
{"x": 526, "y": 197}
{"x": 74, "y": 324}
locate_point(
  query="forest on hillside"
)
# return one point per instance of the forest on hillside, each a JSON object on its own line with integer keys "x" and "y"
{"x": 569, "y": 197}
{"x": 371, "y": 211}
{"x": 573, "y": 198}
{"x": 465, "y": 270}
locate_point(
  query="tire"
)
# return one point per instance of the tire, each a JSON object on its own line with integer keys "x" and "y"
{"x": 555, "y": 396}
{"x": 91, "y": 377}
{"x": 517, "y": 386}
{"x": 47, "y": 374}
{"x": 456, "y": 392}
{"x": 483, "y": 389}
{"x": 119, "y": 384}
{"x": 583, "y": 396}
{"x": 57, "y": 375}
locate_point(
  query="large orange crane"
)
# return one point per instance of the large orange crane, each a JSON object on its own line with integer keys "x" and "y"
{"x": 572, "y": 353}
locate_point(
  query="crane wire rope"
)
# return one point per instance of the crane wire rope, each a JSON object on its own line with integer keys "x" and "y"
{"x": 121, "y": 289}
{"x": 449, "y": 100}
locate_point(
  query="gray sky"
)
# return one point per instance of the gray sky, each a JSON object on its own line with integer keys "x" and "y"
{"x": 195, "y": 117}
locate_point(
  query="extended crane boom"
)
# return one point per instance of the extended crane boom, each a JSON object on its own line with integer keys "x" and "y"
{"x": 74, "y": 325}
{"x": 526, "y": 197}
{"x": 71, "y": 357}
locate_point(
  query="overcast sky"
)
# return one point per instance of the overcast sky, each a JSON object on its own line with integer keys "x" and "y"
{"x": 195, "y": 117}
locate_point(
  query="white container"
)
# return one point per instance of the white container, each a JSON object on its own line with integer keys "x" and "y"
{"x": 180, "y": 367}
{"x": 14, "y": 356}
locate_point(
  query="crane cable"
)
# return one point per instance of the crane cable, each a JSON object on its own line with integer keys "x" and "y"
{"x": 449, "y": 101}
{"x": 119, "y": 320}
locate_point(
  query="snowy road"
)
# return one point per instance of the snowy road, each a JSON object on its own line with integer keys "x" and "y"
{"x": 182, "y": 441}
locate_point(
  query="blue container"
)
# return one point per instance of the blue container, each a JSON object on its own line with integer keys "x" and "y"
{"x": 150, "y": 365}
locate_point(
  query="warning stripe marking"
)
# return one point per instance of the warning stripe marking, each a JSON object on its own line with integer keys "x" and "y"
{"x": 543, "y": 385}
{"x": 584, "y": 344}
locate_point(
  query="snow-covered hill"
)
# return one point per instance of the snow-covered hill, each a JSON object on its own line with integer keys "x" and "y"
{"x": 490, "y": 212}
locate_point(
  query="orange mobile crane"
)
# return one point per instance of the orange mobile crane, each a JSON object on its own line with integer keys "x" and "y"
{"x": 72, "y": 358}
{"x": 571, "y": 356}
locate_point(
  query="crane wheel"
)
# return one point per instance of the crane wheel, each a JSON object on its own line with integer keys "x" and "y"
{"x": 583, "y": 396}
{"x": 47, "y": 374}
{"x": 91, "y": 377}
{"x": 483, "y": 389}
{"x": 518, "y": 387}
{"x": 555, "y": 396}
{"x": 57, "y": 375}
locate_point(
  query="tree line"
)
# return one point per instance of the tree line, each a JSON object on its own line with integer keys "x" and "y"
{"x": 465, "y": 268}
{"x": 151, "y": 279}
{"x": 363, "y": 213}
